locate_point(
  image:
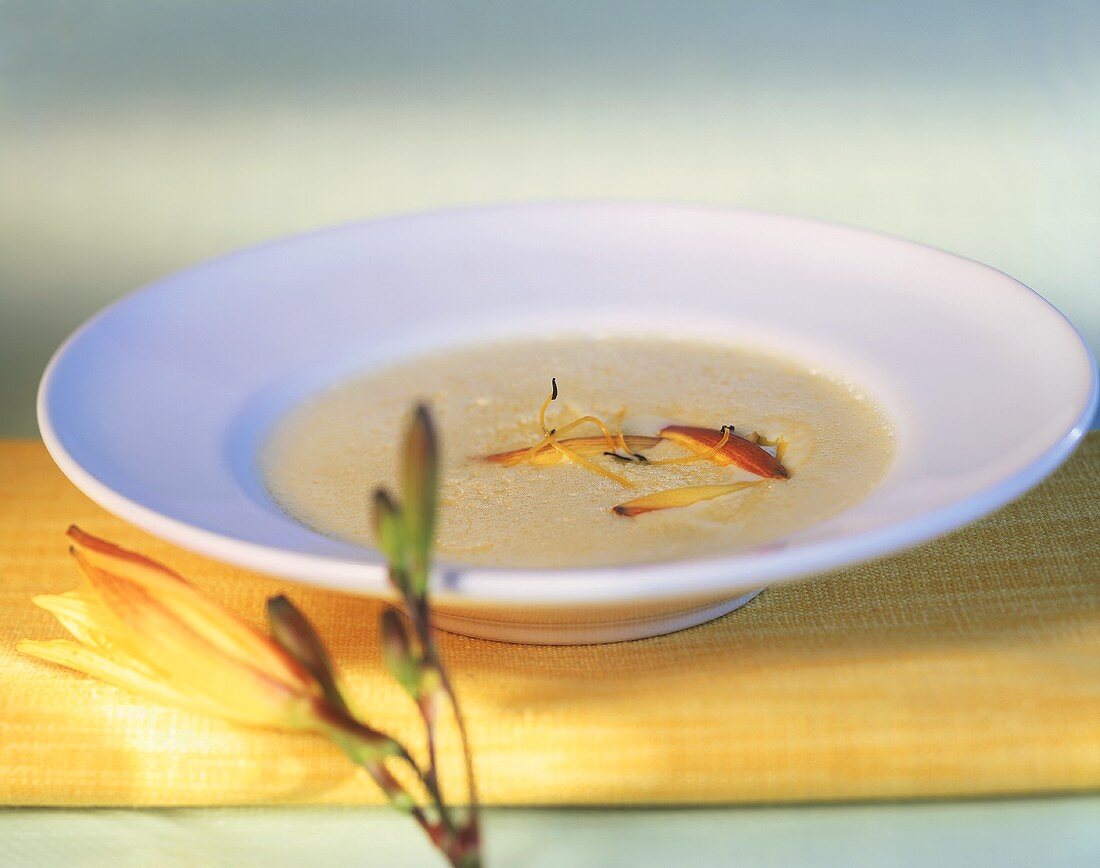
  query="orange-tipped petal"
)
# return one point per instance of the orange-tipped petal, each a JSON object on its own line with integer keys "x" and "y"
{"x": 736, "y": 450}
{"x": 193, "y": 664}
{"x": 142, "y": 627}
{"x": 219, "y": 627}
{"x": 547, "y": 454}
{"x": 122, "y": 673}
{"x": 673, "y": 498}
{"x": 91, "y": 623}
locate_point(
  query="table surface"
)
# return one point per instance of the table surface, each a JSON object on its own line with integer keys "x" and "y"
{"x": 1058, "y": 830}
{"x": 979, "y": 834}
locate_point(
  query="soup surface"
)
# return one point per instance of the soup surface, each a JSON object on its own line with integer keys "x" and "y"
{"x": 326, "y": 456}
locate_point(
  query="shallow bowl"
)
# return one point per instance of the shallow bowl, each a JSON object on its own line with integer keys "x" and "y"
{"x": 157, "y": 407}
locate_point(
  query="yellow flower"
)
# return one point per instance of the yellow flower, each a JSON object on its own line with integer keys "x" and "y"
{"x": 141, "y": 626}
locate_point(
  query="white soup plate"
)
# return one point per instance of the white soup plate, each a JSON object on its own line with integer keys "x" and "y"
{"x": 158, "y": 406}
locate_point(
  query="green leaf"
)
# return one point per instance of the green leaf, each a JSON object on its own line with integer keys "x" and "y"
{"x": 420, "y": 491}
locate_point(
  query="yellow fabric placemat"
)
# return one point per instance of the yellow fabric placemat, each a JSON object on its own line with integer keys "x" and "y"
{"x": 968, "y": 666}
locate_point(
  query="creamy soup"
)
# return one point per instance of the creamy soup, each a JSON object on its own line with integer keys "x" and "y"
{"x": 327, "y": 455}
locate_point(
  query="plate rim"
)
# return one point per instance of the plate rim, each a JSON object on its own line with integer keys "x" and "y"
{"x": 707, "y": 577}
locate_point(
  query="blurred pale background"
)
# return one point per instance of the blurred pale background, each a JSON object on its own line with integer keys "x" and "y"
{"x": 139, "y": 137}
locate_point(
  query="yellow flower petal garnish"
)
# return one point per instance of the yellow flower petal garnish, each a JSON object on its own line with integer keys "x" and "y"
{"x": 551, "y": 442}
{"x": 709, "y": 452}
{"x": 544, "y": 454}
{"x": 745, "y": 452}
{"x": 780, "y": 443}
{"x": 591, "y": 465}
{"x": 720, "y": 446}
{"x": 673, "y": 498}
